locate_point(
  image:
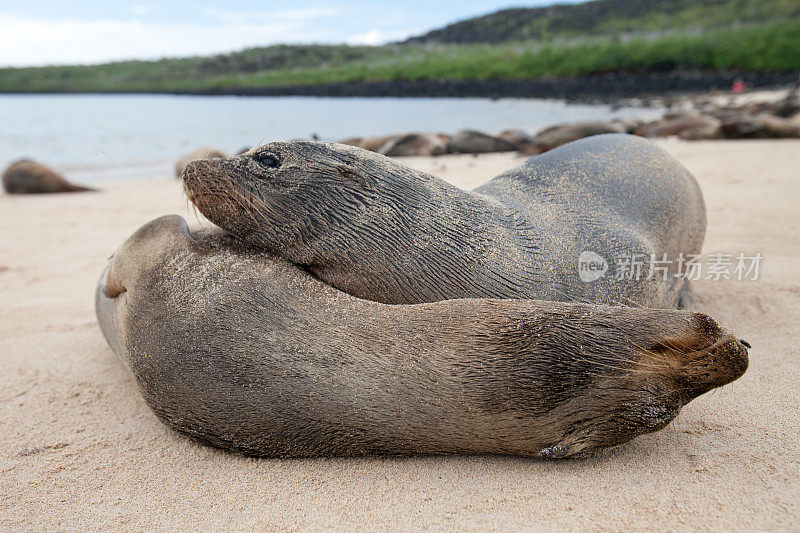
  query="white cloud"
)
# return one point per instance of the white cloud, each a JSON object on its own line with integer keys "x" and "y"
{"x": 268, "y": 15}
{"x": 372, "y": 37}
{"x": 140, "y": 9}
{"x": 376, "y": 37}
{"x": 34, "y": 41}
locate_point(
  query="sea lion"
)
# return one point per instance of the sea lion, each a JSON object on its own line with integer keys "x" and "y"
{"x": 251, "y": 353}
{"x": 206, "y": 152}
{"x": 26, "y": 176}
{"x": 414, "y": 144}
{"x": 373, "y": 144}
{"x": 629, "y": 125}
{"x": 379, "y": 230}
{"x": 477, "y": 142}
{"x": 761, "y": 126}
{"x": 517, "y": 138}
{"x": 556, "y": 136}
{"x": 689, "y": 126}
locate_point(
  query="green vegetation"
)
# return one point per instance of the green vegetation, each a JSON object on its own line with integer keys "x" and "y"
{"x": 584, "y": 45}
{"x": 608, "y": 17}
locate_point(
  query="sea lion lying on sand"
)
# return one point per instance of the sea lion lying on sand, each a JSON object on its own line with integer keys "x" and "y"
{"x": 380, "y": 230}
{"x": 556, "y": 136}
{"x": 415, "y": 144}
{"x": 477, "y": 142}
{"x": 29, "y": 177}
{"x": 251, "y": 353}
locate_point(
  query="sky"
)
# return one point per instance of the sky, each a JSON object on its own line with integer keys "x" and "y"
{"x": 36, "y": 32}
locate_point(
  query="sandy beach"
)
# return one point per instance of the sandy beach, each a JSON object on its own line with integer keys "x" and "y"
{"x": 80, "y": 449}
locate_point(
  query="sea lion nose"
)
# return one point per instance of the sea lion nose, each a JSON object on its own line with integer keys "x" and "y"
{"x": 733, "y": 358}
{"x": 722, "y": 363}
{"x": 745, "y": 343}
{"x": 191, "y": 171}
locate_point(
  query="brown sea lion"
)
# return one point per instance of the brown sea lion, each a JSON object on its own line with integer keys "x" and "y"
{"x": 759, "y": 127}
{"x": 380, "y": 230}
{"x": 373, "y": 144}
{"x": 29, "y": 177}
{"x": 477, "y": 142}
{"x": 689, "y": 126}
{"x": 414, "y": 144}
{"x": 250, "y": 353}
{"x": 629, "y": 125}
{"x": 556, "y": 136}
{"x": 195, "y": 155}
{"x": 517, "y": 138}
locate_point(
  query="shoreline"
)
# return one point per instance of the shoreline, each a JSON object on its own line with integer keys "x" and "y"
{"x": 607, "y": 88}
{"x": 94, "y": 167}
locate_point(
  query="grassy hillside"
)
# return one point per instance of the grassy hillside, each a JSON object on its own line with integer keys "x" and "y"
{"x": 733, "y": 42}
{"x": 610, "y": 17}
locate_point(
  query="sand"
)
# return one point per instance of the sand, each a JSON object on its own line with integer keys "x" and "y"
{"x": 81, "y": 449}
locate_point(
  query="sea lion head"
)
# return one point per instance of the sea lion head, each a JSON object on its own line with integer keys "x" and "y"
{"x": 293, "y": 197}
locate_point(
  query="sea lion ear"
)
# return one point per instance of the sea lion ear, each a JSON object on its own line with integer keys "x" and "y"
{"x": 350, "y": 173}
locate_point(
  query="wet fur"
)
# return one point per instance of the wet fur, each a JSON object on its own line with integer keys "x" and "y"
{"x": 380, "y": 230}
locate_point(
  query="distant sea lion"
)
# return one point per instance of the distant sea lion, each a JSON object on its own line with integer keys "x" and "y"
{"x": 380, "y": 230}
{"x": 477, "y": 142}
{"x": 630, "y": 125}
{"x": 761, "y": 126}
{"x": 516, "y": 138}
{"x": 29, "y": 177}
{"x": 689, "y": 126}
{"x": 556, "y": 136}
{"x": 373, "y": 144}
{"x": 252, "y": 354}
{"x": 414, "y": 144}
{"x": 201, "y": 153}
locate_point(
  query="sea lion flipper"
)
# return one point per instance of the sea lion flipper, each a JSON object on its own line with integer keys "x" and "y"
{"x": 144, "y": 248}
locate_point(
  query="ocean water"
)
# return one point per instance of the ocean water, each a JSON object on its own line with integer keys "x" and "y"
{"x": 105, "y": 137}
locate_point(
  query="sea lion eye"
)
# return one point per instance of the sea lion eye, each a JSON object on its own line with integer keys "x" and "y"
{"x": 268, "y": 160}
